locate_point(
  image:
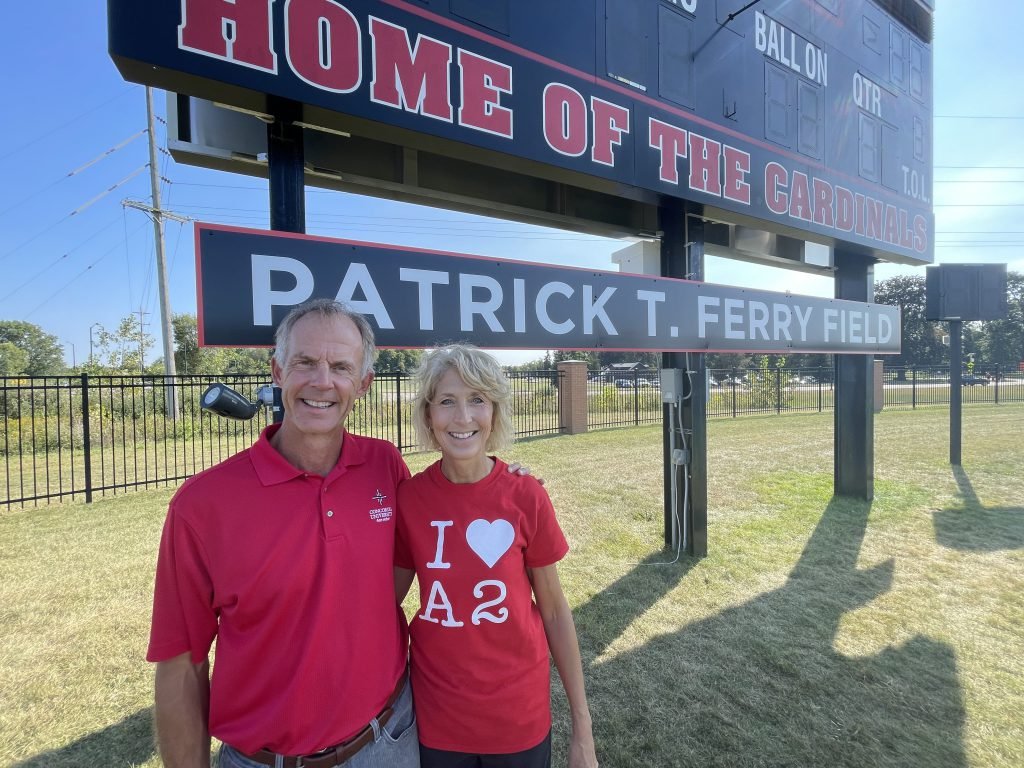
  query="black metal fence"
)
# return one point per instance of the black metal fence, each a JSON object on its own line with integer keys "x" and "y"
{"x": 922, "y": 387}
{"x": 78, "y": 437}
{"x": 85, "y": 436}
{"x": 623, "y": 399}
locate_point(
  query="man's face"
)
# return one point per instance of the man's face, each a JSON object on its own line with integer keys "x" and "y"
{"x": 320, "y": 380}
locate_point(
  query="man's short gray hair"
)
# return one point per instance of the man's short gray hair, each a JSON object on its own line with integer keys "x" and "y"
{"x": 326, "y": 309}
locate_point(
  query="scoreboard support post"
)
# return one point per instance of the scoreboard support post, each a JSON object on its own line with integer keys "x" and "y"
{"x": 682, "y": 256}
{"x": 854, "y": 391}
{"x": 287, "y": 176}
{"x": 286, "y": 168}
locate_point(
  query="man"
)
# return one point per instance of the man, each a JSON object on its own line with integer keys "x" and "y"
{"x": 283, "y": 553}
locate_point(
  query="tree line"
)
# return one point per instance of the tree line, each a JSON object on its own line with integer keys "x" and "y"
{"x": 27, "y": 349}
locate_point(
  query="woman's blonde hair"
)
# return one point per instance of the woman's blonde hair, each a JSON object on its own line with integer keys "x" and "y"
{"x": 479, "y": 371}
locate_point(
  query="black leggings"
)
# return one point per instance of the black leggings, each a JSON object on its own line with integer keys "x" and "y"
{"x": 535, "y": 757}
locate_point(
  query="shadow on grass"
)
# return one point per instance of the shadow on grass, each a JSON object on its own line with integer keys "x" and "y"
{"x": 124, "y": 744}
{"x": 760, "y": 684}
{"x": 975, "y": 527}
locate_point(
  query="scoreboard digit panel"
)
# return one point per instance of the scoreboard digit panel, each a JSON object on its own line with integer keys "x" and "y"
{"x": 809, "y": 118}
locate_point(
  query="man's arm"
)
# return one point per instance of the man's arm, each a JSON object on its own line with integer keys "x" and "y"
{"x": 182, "y": 712}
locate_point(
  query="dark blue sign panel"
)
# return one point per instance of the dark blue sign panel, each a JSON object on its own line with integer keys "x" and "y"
{"x": 250, "y": 279}
{"x": 806, "y": 116}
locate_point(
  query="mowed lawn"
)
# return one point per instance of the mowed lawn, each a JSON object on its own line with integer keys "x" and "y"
{"x": 817, "y": 632}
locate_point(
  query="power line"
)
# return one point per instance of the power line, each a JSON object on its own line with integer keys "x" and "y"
{"x": 981, "y": 167}
{"x": 72, "y": 280}
{"x": 73, "y": 120}
{"x": 58, "y": 260}
{"x": 980, "y": 117}
{"x": 75, "y": 172}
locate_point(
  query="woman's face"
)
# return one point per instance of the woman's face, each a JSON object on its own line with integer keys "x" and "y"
{"x": 460, "y": 418}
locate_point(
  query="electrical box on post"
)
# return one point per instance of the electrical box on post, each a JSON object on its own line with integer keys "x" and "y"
{"x": 671, "y": 384}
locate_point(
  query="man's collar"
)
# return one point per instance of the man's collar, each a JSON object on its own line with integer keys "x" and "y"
{"x": 272, "y": 468}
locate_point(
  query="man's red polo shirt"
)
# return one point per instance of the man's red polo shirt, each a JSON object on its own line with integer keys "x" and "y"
{"x": 292, "y": 573}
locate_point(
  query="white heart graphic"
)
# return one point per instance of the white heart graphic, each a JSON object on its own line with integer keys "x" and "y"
{"x": 490, "y": 540}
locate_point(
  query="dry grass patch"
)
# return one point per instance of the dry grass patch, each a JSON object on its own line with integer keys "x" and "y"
{"x": 818, "y": 631}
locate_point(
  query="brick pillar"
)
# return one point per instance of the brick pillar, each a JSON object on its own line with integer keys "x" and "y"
{"x": 572, "y": 383}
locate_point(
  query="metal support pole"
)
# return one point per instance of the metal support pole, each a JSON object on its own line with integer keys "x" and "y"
{"x": 287, "y": 175}
{"x": 854, "y": 449}
{"x": 86, "y": 438}
{"x": 956, "y": 390}
{"x": 286, "y": 167}
{"x": 166, "y": 332}
{"x": 682, "y": 256}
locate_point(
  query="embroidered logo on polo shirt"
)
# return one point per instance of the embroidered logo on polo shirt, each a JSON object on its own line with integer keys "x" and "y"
{"x": 381, "y": 514}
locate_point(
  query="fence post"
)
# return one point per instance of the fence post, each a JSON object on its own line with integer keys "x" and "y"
{"x": 778, "y": 391}
{"x": 398, "y": 406}
{"x": 997, "y": 378}
{"x": 913, "y": 388}
{"x": 636, "y": 398}
{"x": 86, "y": 438}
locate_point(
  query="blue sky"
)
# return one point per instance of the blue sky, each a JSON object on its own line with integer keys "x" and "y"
{"x": 71, "y": 256}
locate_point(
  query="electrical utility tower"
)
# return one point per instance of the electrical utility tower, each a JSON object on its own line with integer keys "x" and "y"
{"x": 157, "y": 214}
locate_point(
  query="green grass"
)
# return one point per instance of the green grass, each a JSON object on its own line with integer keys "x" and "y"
{"x": 818, "y": 631}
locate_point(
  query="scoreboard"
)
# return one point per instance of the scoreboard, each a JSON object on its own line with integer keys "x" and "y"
{"x": 809, "y": 120}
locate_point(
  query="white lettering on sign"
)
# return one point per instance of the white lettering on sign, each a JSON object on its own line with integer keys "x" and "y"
{"x": 594, "y": 310}
{"x": 914, "y": 183}
{"x": 867, "y": 95}
{"x": 545, "y": 293}
{"x": 486, "y": 308}
{"x": 856, "y": 326}
{"x": 748, "y": 321}
{"x": 587, "y": 310}
{"x": 425, "y": 278}
{"x": 789, "y": 49}
{"x": 265, "y": 298}
{"x": 357, "y": 279}
{"x": 652, "y": 298}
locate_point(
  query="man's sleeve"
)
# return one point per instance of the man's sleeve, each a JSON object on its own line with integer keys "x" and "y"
{"x": 183, "y": 615}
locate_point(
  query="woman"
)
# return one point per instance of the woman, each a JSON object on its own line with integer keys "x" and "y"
{"x": 484, "y": 545}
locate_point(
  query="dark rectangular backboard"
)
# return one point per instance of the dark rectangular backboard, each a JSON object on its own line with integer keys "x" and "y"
{"x": 811, "y": 119}
{"x": 965, "y": 292}
{"x": 250, "y": 279}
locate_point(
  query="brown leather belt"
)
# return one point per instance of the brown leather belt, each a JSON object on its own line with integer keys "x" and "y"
{"x": 339, "y": 753}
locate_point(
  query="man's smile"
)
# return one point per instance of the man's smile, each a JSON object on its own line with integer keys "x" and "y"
{"x": 318, "y": 403}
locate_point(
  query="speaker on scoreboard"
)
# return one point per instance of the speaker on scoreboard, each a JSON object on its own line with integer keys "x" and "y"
{"x": 965, "y": 292}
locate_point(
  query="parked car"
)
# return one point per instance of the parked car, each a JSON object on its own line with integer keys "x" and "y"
{"x": 970, "y": 379}
{"x": 623, "y": 383}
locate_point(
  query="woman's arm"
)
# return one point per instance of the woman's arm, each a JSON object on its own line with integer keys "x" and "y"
{"x": 561, "y": 632}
